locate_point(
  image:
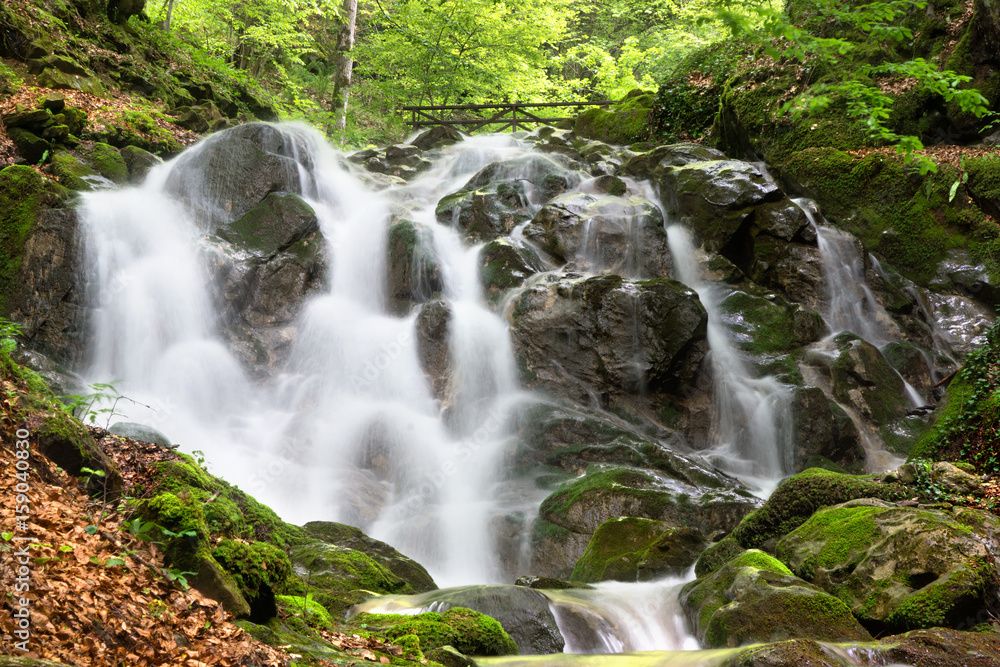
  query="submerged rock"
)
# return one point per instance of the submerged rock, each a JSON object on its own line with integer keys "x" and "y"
{"x": 899, "y": 568}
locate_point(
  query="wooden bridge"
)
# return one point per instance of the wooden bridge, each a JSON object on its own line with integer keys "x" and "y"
{"x": 514, "y": 115}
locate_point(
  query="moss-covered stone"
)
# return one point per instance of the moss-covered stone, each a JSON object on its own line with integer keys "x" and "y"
{"x": 897, "y": 568}
{"x": 74, "y": 174}
{"x": 23, "y": 192}
{"x": 717, "y": 555}
{"x": 468, "y": 631}
{"x": 622, "y": 123}
{"x": 631, "y": 549}
{"x": 505, "y": 264}
{"x": 69, "y": 445}
{"x": 108, "y": 162}
{"x": 799, "y": 496}
{"x": 755, "y": 598}
{"x": 258, "y": 568}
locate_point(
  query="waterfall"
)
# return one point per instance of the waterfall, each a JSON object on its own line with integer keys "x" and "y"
{"x": 751, "y": 425}
{"x": 350, "y": 430}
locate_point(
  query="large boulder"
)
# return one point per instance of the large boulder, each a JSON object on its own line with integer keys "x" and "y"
{"x": 899, "y": 568}
{"x": 485, "y": 213}
{"x": 631, "y": 549}
{"x": 617, "y": 234}
{"x": 230, "y": 172}
{"x": 754, "y": 598}
{"x": 460, "y": 628}
{"x": 273, "y": 225}
{"x": 824, "y": 432}
{"x": 714, "y": 198}
{"x": 545, "y": 176}
{"x": 505, "y": 264}
{"x": 864, "y": 379}
{"x": 609, "y": 334}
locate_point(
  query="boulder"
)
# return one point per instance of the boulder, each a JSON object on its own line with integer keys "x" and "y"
{"x": 107, "y": 161}
{"x": 547, "y": 178}
{"x": 432, "y": 345}
{"x": 139, "y": 162}
{"x": 232, "y": 171}
{"x": 609, "y": 334}
{"x": 438, "y": 137}
{"x": 68, "y": 444}
{"x": 631, "y": 549}
{"x": 768, "y": 325}
{"x": 272, "y": 226}
{"x": 414, "y": 274}
{"x": 714, "y": 198}
{"x": 140, "y": 432}
{"x": 581, "y": 505}
{"x": 524, "y": 613}
{"x": 485, "y": 213}
{"x": 505, "y": 263}
{"x": 864, "y": 379}
{"x": 349, "y": 537}
{"x": 32, "y": 147}
{"x": 58, "y": 80}
{"x": 468, "y": 631}
{"x": 74, "y": 174}
{"x": 822, "y": 430}
{"x": 899, "y": 568}
{"x": 621, "y": 235}
{"x": 646, "y": 165}
{"x": 755, "y": 598}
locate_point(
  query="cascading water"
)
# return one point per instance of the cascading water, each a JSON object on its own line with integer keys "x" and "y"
{"x": 359, "y": 436}
{"x": 751, "y": 426}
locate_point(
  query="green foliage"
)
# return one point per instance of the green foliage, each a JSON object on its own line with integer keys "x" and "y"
{"x": 966, "y": 425}
{"x": 847, "y": 78}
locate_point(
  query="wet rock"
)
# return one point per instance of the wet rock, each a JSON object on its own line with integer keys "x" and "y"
{"x": 350, "y": 537}
{"x": 272, "y": 226}
{"x": 547, "y": 178}
{"x": 755, "y": 598}
{"x": 910, "y": 362}
{"x": 432, "y": 345}
{"x": 438, "y": 137}
{"x": 823, "y": 430}
{"x": 621, "y": 235}
{"x": 961, "y": 321}
{"x": 232, "y": 171}
{"x": 548, "y": 583}
{"x": 898, "y": 568}
{"x": 414, "y": 274}
{"x": 947, "y": 476}
{"x": 609, "y": 334}
{"x": 768, "y": 324}
{"x": 139, "y": 162}
{"x": 505, "y": 264}
{"x": 108, "y": 162}
{"x": 631, "y": 549}
{"x": 74, "y": 174}
{"x": 486, "y": 213}
{"x": 714, "y": 198}
{"x": 31, "y": 146}
{"x": 583, "y": 504}
{"x": 460, "y": 627}
{"x": 645, "y": 165}
{"x": 865, "y": 380}
{"x": 140, "y": 432}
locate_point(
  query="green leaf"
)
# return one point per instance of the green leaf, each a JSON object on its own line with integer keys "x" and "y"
{"x": 114, "y": 562}
{"x": 7, "y": 536}
{"x": 954, "y": 190}
{"x": 66, "y": 547}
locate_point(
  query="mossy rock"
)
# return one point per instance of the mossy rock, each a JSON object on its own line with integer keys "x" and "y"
{"x": 799, "y": 496}
{"x": 625, "y": 122}
{"x": 898, "y": 568}
{"x": 755, "y": 598}
{"x": 74, "y": 174}
{"x": 505, "y": 263}
{"x": 273, "y": 225}
{"x": 69, "y": 445}
{"x": 31, "y": 146}
{"x": 258, "y": 568}
{"x": 108, "y": 162}
{"x": 631, "y": 549}
{"x": 717, "y": 555}
{"x": 468, "y": 631}
{"x": 23, "y": 194}
{"x": 350, "y": 537}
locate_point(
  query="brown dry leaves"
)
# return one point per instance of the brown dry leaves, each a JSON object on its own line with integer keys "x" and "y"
{"x": 949, "y": 154}
{"x": 84, "y": 612}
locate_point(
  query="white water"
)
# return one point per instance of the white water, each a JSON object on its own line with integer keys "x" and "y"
{"x": 351, "y": 432}
{"x": 751, "y": 427}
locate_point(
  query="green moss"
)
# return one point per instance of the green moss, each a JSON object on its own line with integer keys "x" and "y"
{"x": 758, "y": 559}
{"x": 314, "y": 613}
{"x": 717, "y": 555}
{"x": 799, "y": 496}
{"x": 22, "y": 193}
{"x": 108, "y": 162}
{"x": 73, "y": 173}
{"x": 468, "y": 631}
{"x": 760, "y": 325}
{"x": 10, "y": 82}
{"x": 254, "y": 566}
{"x": 623, "y": 123}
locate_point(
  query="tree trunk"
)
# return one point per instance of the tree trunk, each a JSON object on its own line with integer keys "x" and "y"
{"x": 170, "y": 15}
{"x": 344, "y": 62}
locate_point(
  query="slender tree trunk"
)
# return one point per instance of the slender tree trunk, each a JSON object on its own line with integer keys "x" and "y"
{"x": 170, "y": 14}
{"x": 344, "y": 62}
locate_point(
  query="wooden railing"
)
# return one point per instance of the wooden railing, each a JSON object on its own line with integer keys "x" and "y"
{"x": 513, "y": 115}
